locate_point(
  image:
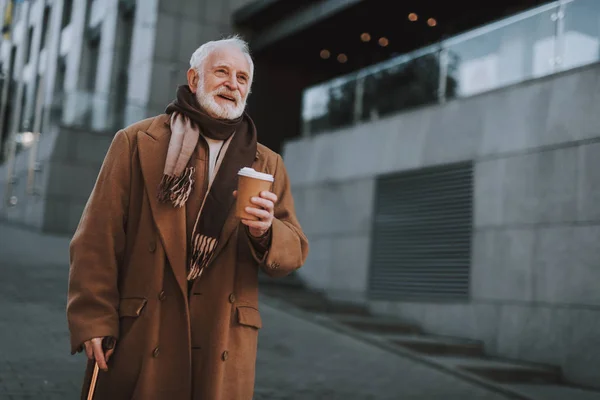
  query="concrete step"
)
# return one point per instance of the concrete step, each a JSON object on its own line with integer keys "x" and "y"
{"x": 337, "y": 309}
{"x": 438, "y": 345}
{"x": 379, "y": 325}
{"x": 502, "y": 371}
{"x": 463, "y": 357}
{"x": 292, "y": 280}
{"x": 313, "y": 301}
{"x": 285, "y": 292}
{"x": 554, "y": 392}
{"x": 297, "y": 297}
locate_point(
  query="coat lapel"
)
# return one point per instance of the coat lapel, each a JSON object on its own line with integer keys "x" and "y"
{"x": 231, "y": 223}
{"x": 170, "y": 221}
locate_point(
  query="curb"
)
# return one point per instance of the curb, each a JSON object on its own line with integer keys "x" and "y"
{"x": 329, "y": 323}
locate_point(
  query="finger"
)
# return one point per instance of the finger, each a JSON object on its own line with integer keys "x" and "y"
{"x": 256, "y": 224}
{"x": 235, "y": 193}
{"x": 261, "y": 214}
{"x": 264, "y": 203}
{"x": 99, "y": 354}
{"x": 269, "y": 196}
{"x": 89, "y": 352}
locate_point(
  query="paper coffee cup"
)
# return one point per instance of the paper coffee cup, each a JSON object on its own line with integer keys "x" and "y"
{"x": 250, "y": 184}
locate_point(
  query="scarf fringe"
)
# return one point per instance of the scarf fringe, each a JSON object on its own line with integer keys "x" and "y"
{"x": 176, "y": 189}
{"x": 203, "y": 248}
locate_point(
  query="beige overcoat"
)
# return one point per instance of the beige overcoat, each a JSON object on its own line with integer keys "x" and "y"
{"x": 128, "y": 280}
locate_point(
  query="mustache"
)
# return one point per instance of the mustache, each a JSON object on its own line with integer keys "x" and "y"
{"x": 229, "y": 93}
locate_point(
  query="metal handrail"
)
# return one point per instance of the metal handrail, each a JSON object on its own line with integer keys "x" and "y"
{"x": 445, "y": 53}
{"x": 401, "y": 59}
{"x": 494, "y": 26}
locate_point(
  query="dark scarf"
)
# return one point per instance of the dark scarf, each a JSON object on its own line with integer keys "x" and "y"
{"x": 177, "y": 182}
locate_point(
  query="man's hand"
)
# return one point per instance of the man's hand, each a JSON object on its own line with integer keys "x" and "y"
{"x": 95, "y": 351}
{"x": 264, "y": 212}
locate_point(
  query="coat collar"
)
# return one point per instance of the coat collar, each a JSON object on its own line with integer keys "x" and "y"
{"x": 170, "y": 222}
{"x": 165, "y": 122}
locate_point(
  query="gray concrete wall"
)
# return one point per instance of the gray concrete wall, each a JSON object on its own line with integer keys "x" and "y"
{"x": 536, "y": 253}
{"x": 29, "y": 208}
{"x": 70, "y": 160}
{"x": 182, "y": 26}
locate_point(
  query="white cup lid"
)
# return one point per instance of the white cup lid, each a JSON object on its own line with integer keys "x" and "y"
{"x": 251, "y": 173}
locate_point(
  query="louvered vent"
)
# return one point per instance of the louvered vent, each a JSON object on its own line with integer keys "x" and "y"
{"x": 421, "y": 247}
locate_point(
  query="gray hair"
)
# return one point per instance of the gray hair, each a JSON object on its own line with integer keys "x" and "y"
{"x": 200, "y": 55}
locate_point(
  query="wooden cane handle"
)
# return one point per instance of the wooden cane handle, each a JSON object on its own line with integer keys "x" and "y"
{"x": 93, "y": 382}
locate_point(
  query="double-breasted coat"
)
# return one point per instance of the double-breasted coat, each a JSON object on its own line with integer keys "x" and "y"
{"x": 128, "y": 280}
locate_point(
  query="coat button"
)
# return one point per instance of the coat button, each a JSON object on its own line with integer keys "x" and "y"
{"x": 232, "y": 298}
{"x": 225, "y": 355}
{"x": 162, "y": 296}
{"x": 152, "y": 246}
{"x": 156, "y": 352}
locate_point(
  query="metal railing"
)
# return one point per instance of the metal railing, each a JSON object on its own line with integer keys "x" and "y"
{"x": 555, "y": 37}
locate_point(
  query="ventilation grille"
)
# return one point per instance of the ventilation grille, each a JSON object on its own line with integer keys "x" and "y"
{"x": 422, "y": 231}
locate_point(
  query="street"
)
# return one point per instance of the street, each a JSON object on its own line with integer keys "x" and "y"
{"x": 297, "y": 359}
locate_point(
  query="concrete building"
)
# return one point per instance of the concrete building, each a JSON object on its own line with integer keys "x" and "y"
{"x": 96, "y": 66}
{"x": 471, "y": 211}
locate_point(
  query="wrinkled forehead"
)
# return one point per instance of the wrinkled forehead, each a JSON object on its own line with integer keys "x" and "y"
{"x": 231, "y": 57}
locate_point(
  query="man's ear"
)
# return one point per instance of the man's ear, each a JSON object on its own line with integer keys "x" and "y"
{"x": 193, "y": 79}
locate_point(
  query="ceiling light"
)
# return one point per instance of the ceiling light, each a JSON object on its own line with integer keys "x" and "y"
{"x": 431, "y": 22}
{"x": 383, "y": 41}
{"x": 413, "y": 17}
{"x": 365, "y": 37}
{"x": 342, "y": 58}
{"x": 325, "y": 54}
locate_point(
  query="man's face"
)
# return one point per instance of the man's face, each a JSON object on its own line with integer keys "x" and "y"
{"x": 223, "y": 84}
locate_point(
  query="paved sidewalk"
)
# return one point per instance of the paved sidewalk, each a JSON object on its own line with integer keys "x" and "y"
{"x": 35, "y": 359}
{"x": 297, "y": 359}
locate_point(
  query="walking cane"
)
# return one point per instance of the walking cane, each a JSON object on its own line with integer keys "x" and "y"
{"x": 107, "y": 344}
{"x": 93, "y": 382}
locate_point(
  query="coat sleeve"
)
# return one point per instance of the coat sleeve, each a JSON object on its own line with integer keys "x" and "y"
{"x": 288, "y": 247}
{"x": 97, "y": 248}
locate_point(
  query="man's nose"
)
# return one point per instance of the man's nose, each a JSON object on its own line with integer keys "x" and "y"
{"x": 231, "y": 83}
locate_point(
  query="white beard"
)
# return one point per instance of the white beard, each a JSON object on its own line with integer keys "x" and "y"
{"x": 229, "y": 111}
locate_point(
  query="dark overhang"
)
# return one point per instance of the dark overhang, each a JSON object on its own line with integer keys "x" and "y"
{"x": 297, "y": 32}
{"x": 270, "y": 21}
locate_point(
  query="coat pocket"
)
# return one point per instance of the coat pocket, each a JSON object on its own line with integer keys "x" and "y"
{"x": 249, "y": 316}
{"x": 131, "y": 306}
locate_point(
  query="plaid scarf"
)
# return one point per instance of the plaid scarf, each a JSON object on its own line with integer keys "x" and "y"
{"x": 177, "y": 183}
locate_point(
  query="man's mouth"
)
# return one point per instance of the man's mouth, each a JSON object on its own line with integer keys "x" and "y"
{"x": 226, "y": 97}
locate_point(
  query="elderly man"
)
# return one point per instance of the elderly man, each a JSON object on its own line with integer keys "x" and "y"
{"x": 163, "y": 285}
